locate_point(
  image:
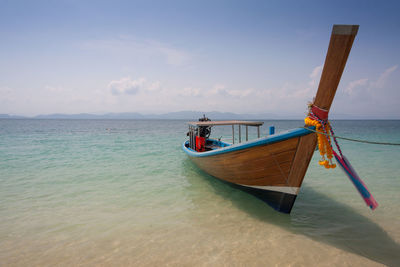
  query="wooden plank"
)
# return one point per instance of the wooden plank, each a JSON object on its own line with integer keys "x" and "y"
{"x": 258, "y": 152}
{"x": 217, "y": 123}
{"x": 302, "y": 159}
{"x": 338, "y": 51}
{"x": 264, "y": 165}
{"x": 246, "y": 176}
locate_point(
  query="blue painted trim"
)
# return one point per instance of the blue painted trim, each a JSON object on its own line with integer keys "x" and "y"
{"x": 258, "y": 142}
{"x": 272, "y": 130}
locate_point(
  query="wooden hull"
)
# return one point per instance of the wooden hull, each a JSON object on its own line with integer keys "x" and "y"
{"x": 265, "y": 167}
{"x": 273, "y": 168}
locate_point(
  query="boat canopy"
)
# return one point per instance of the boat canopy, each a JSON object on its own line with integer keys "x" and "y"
{"x": 196, "y": 126}
{"x": 234, "y": 122}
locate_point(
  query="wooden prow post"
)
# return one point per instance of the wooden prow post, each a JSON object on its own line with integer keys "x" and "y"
{"x": 339, "y": 48}
{"x": 338, "y": 51}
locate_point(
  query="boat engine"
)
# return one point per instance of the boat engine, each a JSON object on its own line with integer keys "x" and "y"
{"x": 205, "y": 131}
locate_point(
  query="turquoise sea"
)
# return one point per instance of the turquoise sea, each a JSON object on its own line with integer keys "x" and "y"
{"x": 123, "y": 193}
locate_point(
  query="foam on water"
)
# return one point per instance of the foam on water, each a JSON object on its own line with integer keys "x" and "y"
{"x": 118, "y": 192}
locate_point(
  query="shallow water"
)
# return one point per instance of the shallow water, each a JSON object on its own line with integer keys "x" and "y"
{"x": 118, "y": 192}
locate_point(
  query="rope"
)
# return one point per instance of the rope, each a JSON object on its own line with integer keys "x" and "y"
{"x": 354, "y": 140}
{"x": 324, "y": 143}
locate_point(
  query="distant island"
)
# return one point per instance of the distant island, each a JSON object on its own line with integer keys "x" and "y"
{"x": 186, "y": 115}
{"x": 180, "y": 115}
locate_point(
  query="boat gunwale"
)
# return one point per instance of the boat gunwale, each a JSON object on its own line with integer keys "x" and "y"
{"x": 225, "y": 123}
{"x": 282, "y": 136}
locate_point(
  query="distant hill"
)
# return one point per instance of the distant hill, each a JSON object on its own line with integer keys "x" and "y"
{"x": 7, "y": 116}
{"x": 180, "y": 115}
{"x": 91, "y": 116}
{"x": 214, "y": 115}
{"x": 191, "y": 115}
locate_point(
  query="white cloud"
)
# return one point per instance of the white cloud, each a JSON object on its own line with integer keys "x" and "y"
{"x": 380, "y": 83}
{"x": 154, "y": 86}
{"x": 217, "y": 89}
{"x": 372, "y": 97}
{"x": 129, "y": 86}
{"x": 350, "y": 89}
{"x": 240, "y": 93}
{"x": 315, "y": 75}
{"x": 368, "y": 85}
{"x": 225, "y": 98}
{"x": 134, "y": 94}
{"x": 304, "y": 92}
{"x": 189, "y": 91}
{"x": 126, "y": 86}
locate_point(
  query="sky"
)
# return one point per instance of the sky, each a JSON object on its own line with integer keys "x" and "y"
{"x": 166, "y": 56}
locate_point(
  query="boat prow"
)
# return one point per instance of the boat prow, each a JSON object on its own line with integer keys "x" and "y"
{"x": 263, "y": 167}
{"x": 271, "y": 168}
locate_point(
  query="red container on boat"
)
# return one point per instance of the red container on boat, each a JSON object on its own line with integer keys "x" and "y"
{"x": 200, "y": 143}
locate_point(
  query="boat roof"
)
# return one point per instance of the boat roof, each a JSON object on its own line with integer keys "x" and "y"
{"x": 234, "y": 122}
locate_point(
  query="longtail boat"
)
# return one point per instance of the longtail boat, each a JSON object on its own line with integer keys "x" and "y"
{"x": 273, "y": 167}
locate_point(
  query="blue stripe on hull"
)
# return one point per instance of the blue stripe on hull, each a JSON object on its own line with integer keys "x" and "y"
{"x": 280, "y": 201}
{"x": 258, "y": 142}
